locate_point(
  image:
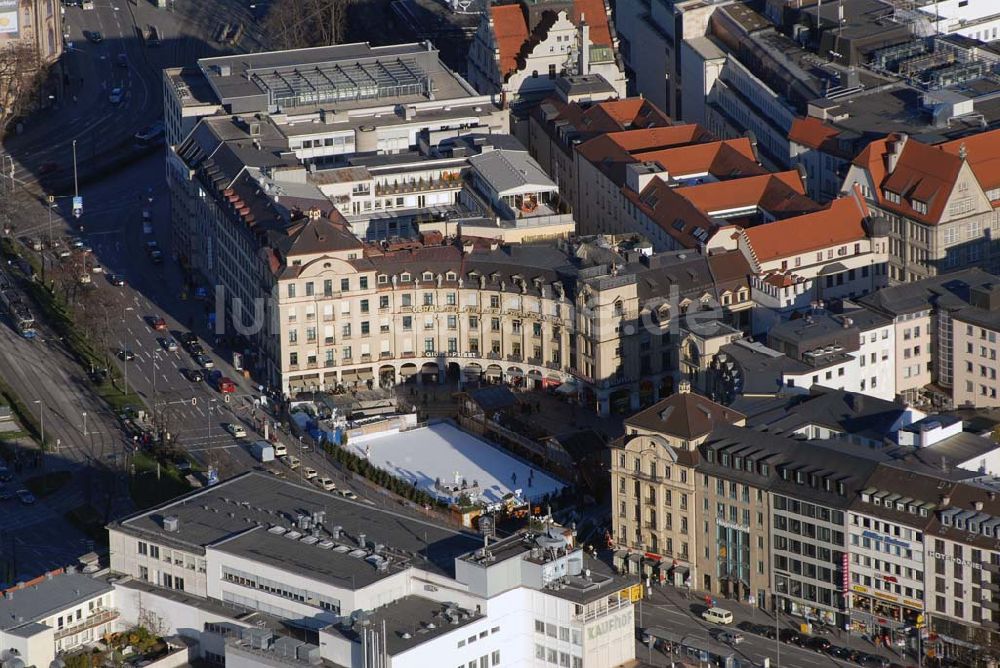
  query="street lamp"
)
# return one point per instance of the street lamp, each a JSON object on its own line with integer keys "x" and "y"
{"x": 84, "y": 423}
{"x": 42, "y": 419}
{"x": 125, "y": 347}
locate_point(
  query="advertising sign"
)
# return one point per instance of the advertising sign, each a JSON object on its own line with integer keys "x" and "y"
{"x": 8, "y": 17}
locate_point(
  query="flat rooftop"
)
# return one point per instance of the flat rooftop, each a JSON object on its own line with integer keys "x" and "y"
{"x": 34, "y": 602}
{"x": 238, "y": 515}
{"x": 409, "y": 621}
{"x": 344, "y": 76}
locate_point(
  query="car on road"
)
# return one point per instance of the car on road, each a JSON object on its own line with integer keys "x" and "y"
{"x": 75, "y": 242}
{"x": 187, "y": 338}
{"x": 97, "y": 375}
{"x": 717, "y": 616}
{"x": 157, "y": 323}
{"x": 95, "y": 36}
{"x": 168, "y": 344}
{"x": 196, "y": 349}
{"x": 866, "y": 659}
{"x": 126, "y": 355}
{"x": 291, "y": 461}
{"x": 156, "y": 257}
{"x": 280, "y": 450}
{"x": 236, "y": 430}
{"x": 790, "y": 636}
{"x": 204, "y": 361}
{"x": 844, "y": 653}
{"x": 226, "y": 385}
{"x": 116, "y": 95}
{"x": 116, "y": 279}
{"x": 730, "y": 637}
{"x": 121, "y": 60}
{"x": 348, "y": 494}
{"x": 150, "y": 135}
{"x": 194, "y": 375}
{"x": 325, "y": 483}
{"x": 26, "y": 497}
{"x": 309, "y": 473}
{"x": 818, "y": 644}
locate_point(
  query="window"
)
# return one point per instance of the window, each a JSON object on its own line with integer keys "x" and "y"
{"x": 363, "y": 282}
{"x": 494, "y": 301}
{"x": 291, "y": 291}
{"x": 383, "y": 301}
{"x": 345, "y": 284}
{"x": 407, "y": 299}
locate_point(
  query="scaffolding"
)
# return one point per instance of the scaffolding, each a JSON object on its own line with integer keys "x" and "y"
{"x": 341, "y": 82}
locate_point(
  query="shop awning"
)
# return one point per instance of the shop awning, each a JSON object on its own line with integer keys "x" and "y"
{"x": 365, "y": 374}
{"x": 493, "y": 372}
{"x": 408, "y": 371}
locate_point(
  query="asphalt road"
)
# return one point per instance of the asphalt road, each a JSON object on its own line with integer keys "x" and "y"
{"x": 669, "y": 608}
{"x": 85, "y": 113}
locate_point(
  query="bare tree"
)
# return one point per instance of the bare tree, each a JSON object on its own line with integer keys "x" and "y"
{"x": 294, "y": 24}
{"x": 20, "y": 76}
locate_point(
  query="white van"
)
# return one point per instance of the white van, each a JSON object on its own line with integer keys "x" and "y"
{"x": 280, "y": 450}
{"x": 717, "y": 616}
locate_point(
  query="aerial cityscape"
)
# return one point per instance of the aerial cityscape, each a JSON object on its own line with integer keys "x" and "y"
{"x": 499, "y": 333}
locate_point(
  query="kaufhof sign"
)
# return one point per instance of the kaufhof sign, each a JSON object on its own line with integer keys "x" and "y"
{"x": 610, "y": 626}
{"x": 8, "y": 17}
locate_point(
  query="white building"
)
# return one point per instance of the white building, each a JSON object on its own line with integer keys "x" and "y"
{"x": 521, "y": 49}
{"x": 363, "y": 586}
{"x": 54, "y": 614}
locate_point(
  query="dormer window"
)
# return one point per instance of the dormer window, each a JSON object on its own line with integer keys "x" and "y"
{"x": 737, "y": 462}
{"x": 383, "y": 279}
{"x": 450, "y": 276}
{"x": 710, "y": 455}
{"x": 800, "y": 477}
{"x": 405, "y": 277}
{"x": 764, "y": 469}
{"x": 865, "y": 497}
{"x": 427, "y": 276}
{"x": 841, "y": 489}
{"x": 725, "y": 459}
{"x": 892, "y": 197}
{"x": 918, "y": 206}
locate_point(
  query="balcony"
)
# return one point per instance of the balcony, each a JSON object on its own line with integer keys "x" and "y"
{"x": 650, "y": 500}
{"x": 366, "y": 357}
{"x": 514, "y": 358}
{"x": 293, "y": 367}
{"x": 311, "y": 365}
{"x": 347, "y": 360}
{"x": 408, "y": 354}
{"x": 494, "y": 356}
{"x": 99, "y": 616}
{"x": 330, "y": 363}
{"x": 649, "y": 525}
{"x": 420, "y": 185}
{"x": 992, "y": 605}
{"x": 555, "y": 366}
{"x": 537, "y": 361}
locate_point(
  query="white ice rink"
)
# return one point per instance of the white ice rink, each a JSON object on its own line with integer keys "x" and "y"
{"x": 439, "y": 451}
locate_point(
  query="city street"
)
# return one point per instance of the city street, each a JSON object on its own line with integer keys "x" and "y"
{"x": 670, "y": 608}
{"x": 84, "y": 112}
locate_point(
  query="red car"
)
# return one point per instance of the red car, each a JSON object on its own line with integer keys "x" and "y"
{"x": 226, "y": 385}
{"x": 158, "y": 323}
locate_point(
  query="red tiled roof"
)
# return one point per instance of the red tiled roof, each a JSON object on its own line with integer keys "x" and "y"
{"x": 750, "y": 191}
{"x": 510, "y": 30}
{"x": 728, "y": 157}
{"x": 596, "y": 15}
{"x": 840, "y": 223}
{"x": 815, "y": 134}
{"x": 983, "y": 155}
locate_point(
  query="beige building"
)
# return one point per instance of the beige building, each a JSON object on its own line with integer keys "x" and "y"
{"x": 939, "y": 201}
{"x": 655, "y": 488}
{"x": 34, "y": 22}
{"x": 946, "y": 330}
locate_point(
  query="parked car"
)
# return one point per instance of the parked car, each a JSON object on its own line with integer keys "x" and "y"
{"x": 204, "y": 361}
{"x": 818, "y": 644}
{"x": 718, "y": 616}
{"x": 866, "y": 659}
{"x": 116, "y": 96}
{"x": 196, "y": 349}
{"x": 348, "y": 494}
{"x": 226, "y": 385}
{"x": 309, "y": 473}
{"x": 194, "y": 375}
{"x": 325, "y": 483}
{"x": 116, "y": 279}
{"x": 187, "y": 338}
{"x": 95, "y": 36}
{"x": 168, "y": 344}
{"x": 844, "y": 653}
{"x": 236, "y": 430}
{"x": 157, "y": 323}
{"x": 790, "y": 636}
{"x": 126, "y": 355}
{"x": 291, "y": 461}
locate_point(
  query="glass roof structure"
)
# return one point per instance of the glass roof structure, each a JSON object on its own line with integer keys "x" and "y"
{"x": 331, "y": 82}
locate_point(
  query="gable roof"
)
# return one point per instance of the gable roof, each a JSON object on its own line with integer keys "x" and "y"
{"x": 840, "y": 223}
{"x": 317, "y": 235}
{"x": 983, "y": 155}
{"x": 596, "y": 15}
{"x": 684, "y": 415}
{"x": 510, "y": 31}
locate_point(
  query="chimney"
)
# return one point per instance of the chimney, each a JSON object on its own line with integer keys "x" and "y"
{"x": 895, "y": 150}
{"x": 584, "y": 44}
{"x": 978, "y": 505}
{"x": 361, "y": 540}
{"x": 684, "y": 387}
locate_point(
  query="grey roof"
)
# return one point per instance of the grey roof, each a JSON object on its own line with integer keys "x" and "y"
{"x": 847, "y": 412}
{"x": 507, "y": 170}
{"x": 958, "y": 449}
{"x": 235, "y": 515}
{"x": 761, "y": 369}
{"x": 420, "y": 618}
{"x": 49, "y": 596}
{"x": 948, "y": 291}
{"x": 493, "y": 398}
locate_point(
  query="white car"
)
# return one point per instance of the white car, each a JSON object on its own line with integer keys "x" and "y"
{"x": 325, "y": 483}
{"x": 236, "y": 430}
{"x": 309, "y": 473}
{"x": 291, "y": 461}
{"x": 348, "y": 494}
{"x": 116, "y": 96}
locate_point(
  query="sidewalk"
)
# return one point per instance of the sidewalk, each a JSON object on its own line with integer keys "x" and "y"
{"x": 672, "y": 596}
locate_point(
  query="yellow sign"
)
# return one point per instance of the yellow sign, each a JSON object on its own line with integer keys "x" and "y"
{"x": 633, "y": 593}
{"x": 886, "y": 597}
{"x": 860, "y": 589}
